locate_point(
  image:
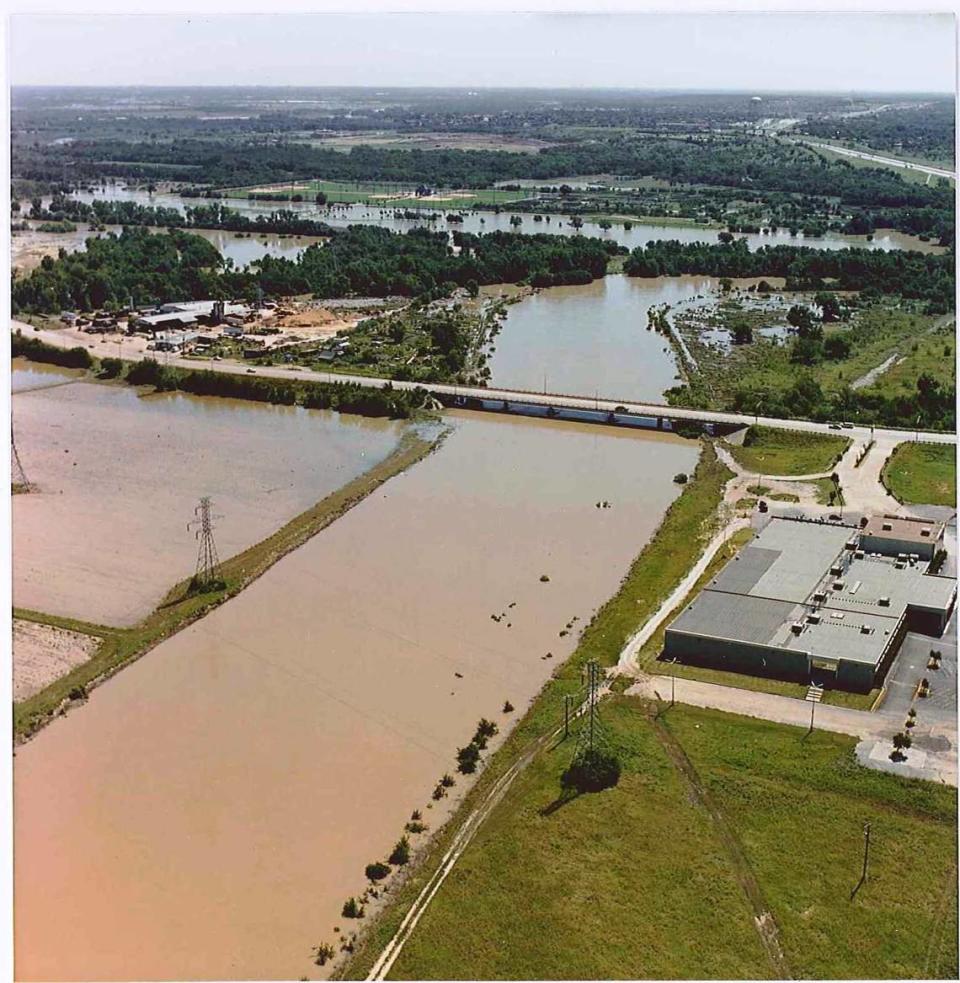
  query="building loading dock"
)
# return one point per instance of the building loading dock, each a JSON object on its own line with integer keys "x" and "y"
{"x": 806, "y": 601}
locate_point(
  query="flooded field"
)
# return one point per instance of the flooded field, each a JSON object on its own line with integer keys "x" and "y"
{"x": 641, "y": 232}
{"x": 207, "y": 813}
{"x": 28, "y": 248}
{"x": 118, "y": 476}
{"x": 592, "y": 338}
{"x": 27, "y": 375}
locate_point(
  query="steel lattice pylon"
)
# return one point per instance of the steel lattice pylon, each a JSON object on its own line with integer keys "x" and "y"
{"x": 208, "y": 572}
{"x": 18, "y": 477}
{"x": 590, "y": 733}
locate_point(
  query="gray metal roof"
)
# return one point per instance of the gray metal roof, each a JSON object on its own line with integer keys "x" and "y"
{"x": 736, "y": 616}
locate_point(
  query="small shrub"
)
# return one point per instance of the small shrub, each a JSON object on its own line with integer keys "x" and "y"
{"x": 415, "y": 815}
{"x": 401, "y": 852}
{"x": 544, "y": 579}
{"x": 110, "y": 368}
{"x": 507, "y": 706}
{"x": 467, "y": 758}
{"x": 325, "y": 952}
{"x": 438, "y": 793}
{"x": 593, "y": 771}
{"x": 352, "y": 908}
{"x": 415, "y": 826}
{"x": 680, "y": 479}
{"x": 448, "y": 781}
{"x": 377, "y": 871}
{"x": 902, "y": 740}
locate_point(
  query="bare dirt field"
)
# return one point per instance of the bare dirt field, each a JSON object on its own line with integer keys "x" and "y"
{"x": 118, "y": 476}
{"x": 43, "y": 653}
{"x": 208, "y": 811}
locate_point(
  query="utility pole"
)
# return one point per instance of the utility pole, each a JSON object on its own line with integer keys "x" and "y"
{"x": 208, "y": 574}
{"x": 567, "y": 715}
{"x": 813, "y": 707}
{"x": 866, "y": 851}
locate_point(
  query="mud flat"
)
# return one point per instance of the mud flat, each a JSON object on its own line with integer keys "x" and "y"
{"x": 117, "y": 477}
{"x": 208, "y": 811}
{"x": 42, "y": 653}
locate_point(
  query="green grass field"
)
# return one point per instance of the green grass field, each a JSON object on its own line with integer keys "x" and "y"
{"x": 769, "y": 451}
{"x": 922, "y": 474}
{"x": 647, "y": 879}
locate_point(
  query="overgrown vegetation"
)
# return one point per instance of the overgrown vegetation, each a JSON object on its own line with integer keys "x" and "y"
{"x": 38, "y": 351}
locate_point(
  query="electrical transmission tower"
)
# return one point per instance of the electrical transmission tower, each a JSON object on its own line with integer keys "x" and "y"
{"x": 18, "y": 477}
{"x": 590, "y": 735}
{"x": 207, "y": 575}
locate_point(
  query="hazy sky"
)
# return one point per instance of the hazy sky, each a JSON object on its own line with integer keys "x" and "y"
{"x": 769, "y": 51}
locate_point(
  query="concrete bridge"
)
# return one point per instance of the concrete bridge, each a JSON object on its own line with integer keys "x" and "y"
{"x": 604, "y": 410}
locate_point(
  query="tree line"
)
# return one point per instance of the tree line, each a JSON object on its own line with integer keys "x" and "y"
{"x": 212, "y": 216}
{"x": 140, "y": 267}
{"x": 912, "y": 275}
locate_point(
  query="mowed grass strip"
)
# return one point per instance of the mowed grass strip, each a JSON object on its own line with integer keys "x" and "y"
{"x": 629, "y": 883}
{"x": 180, "y": 608}
{"x": 687, "y": 527}
{"x": 922, "y": 474}
{"x": 769, "y": 451}
{"x": 798, "y": 805}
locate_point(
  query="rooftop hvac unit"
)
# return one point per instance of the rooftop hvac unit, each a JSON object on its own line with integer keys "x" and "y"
{"x": 925, "y": 533}
{"x": 884, "y": 602}
{"x": 813, "y": 619}
{"x": 887, "y": 527}
{"x": 838, "y": 585}
{"x": 899, "y": 565}
{"x": 866, "y": 630}
{"x": 858, "y": 555}
{"x": 836, "y": 570}
{"x": 797, "y": 628}
{"x": 820, "y": 596}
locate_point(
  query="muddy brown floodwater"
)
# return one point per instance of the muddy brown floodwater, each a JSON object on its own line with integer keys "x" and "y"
{"x": 209, "y": 810}
{"x": 104, "y": 535}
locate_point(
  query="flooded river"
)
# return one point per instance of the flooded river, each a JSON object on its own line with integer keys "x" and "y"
{"x": 117, "y": 477}
{"x": 592, "y": 338}
{"x": 207, "y": 813}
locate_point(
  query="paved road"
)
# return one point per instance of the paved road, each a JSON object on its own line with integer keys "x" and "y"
{"x": 908, "y": 165}
{"x": 64, "y": 340}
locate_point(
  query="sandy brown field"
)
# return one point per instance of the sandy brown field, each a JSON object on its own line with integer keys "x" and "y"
{"x": 43, "y": 653}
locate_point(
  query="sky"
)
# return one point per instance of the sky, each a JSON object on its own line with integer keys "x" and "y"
{"x": 843, "y": 52}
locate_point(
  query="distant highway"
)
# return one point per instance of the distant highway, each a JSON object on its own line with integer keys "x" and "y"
{"x": 604, "y": 404}
{"x": 908, "y": 165}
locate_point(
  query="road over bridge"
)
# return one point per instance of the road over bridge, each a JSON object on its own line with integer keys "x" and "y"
{"x": 593, "y": 409}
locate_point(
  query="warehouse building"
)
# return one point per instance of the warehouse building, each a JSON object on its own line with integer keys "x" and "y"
{"x": 807, "y": 601}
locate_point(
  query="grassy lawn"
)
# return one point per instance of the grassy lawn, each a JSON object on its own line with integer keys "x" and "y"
{"x": 630, "y": 883}
{"x": 788, "y": 452}
{"x": 640, "y": 881}
{"x": 180, "y": 607}
{"x": 686, "y": 528}
{"x": 799, "y": 807}
{"x": 922, "y": 474}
